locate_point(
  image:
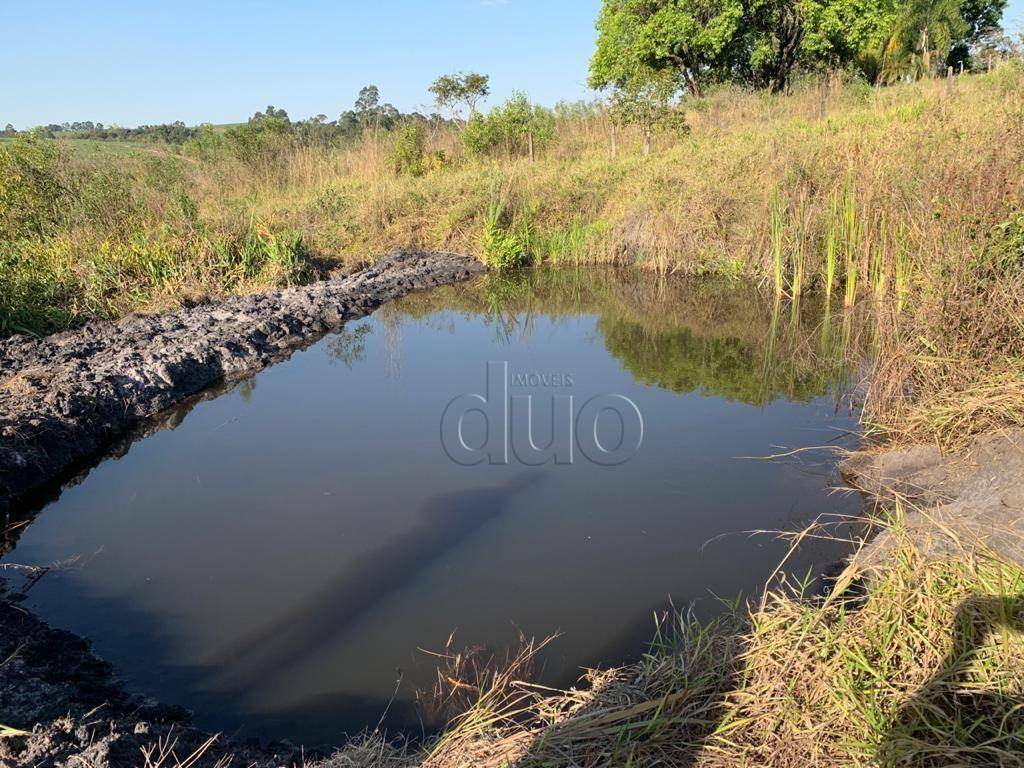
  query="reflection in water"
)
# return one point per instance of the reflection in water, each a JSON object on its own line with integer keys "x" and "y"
{"x": 270, "y": 556}
{"x": 682, "y": 335}
{"x": 348, "y": 346}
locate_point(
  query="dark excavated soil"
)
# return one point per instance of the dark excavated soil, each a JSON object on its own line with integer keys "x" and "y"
{"x": 66, "y": 398}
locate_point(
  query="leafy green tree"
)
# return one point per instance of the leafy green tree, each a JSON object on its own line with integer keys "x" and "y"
{"x": 265, "y": 136}
{"x": 315, "y": 131}
{"x": 368, "y": 99}
{"x": 511, "y": 126}
{"x": 208, "y": 144}
{"x": 407, "y": 152}
{"x": 270, "y": 115}
{"x": 452, "y": 91}
{"x": 368, "y": 111}
{"x": 923, "y": 35}
{"x": 696, "y": 38}
{"x": 481, "y": 135}
{"x": 838, "y": 32}
{"x": 475, "y": 87}
{"x": 770, "y": 43}
{"x": 649, "y": 103}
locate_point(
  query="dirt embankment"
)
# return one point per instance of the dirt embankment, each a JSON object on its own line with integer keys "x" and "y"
{"x": 967, "y": 502}
{"x": 65, "y": 398}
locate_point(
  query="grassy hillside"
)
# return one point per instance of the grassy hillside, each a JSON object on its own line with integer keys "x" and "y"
{"x": 910, "y": 195}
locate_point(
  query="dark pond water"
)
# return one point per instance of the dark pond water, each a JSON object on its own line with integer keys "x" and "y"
{"x": 275, "y": 558}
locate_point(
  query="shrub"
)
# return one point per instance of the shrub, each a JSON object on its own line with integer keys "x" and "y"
{"x": 259, "y": 141}
{"x": 207, "y": 145}
{"x": 106, "y": 199}
{"x": 32, "y": 190}
{"x": 504, "y": 247}
{"x": 406, "y": 155}
{"x": 511, "y": 127}
{"x": 480, "y": 135}
{"x": 33, "y": 298}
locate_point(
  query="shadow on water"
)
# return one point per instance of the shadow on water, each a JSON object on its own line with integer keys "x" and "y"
{"x": 445, "y": 522}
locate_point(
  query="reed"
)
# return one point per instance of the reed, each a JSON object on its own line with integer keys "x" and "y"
{"x": 831, "y": 246}
{"x": 799, "y": 248}
{"x": 901, "y": 269}
{"x": 851, "y": 245}
{"x": 877, "y": 270}
{"x": 777, "y": 224}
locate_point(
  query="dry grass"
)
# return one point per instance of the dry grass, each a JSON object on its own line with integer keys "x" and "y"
{"x": 902, "y": 195}
{"x": 951, "y": 365}
{"x": 920, "y": 170}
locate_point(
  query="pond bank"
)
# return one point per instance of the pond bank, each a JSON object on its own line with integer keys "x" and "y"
{"x": 66, "y": 397}
{"x": 695, "y": 680}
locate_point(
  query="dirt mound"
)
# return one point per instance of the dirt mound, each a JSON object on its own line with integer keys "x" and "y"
{"x": 65, "y": 398}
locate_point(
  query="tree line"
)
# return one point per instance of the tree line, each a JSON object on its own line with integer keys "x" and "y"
{"x": 649, "y": 54}
{"x": 656, "y": 47}
{"x": 166, "y": 133}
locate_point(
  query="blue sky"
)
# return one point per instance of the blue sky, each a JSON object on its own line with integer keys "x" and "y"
{"x": 137, "y": 62}
{"x": 140, "y": 62}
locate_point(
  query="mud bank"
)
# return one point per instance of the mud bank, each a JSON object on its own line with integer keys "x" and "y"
{"x": 66, "y": 398}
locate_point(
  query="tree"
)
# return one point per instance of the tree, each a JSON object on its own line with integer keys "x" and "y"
{"x": 369, "y": 111}
{"x": 514, "y": 126}
{"x": 368, "y": 99}
{"x": 774, "y": 34}
{"x": 407, "y": 153}
{"x": 648, "y": 103}
{"x": 451, "y": 91}
{"x": 838, "y": 33}
{"x": 271, "y": 114}
{"x": 981, "y": 26}
{"x": 923, "y": 34}
{"x": 696, "y": 38}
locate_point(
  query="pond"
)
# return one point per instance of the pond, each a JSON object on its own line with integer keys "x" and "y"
{"x": 280, "y": 558}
